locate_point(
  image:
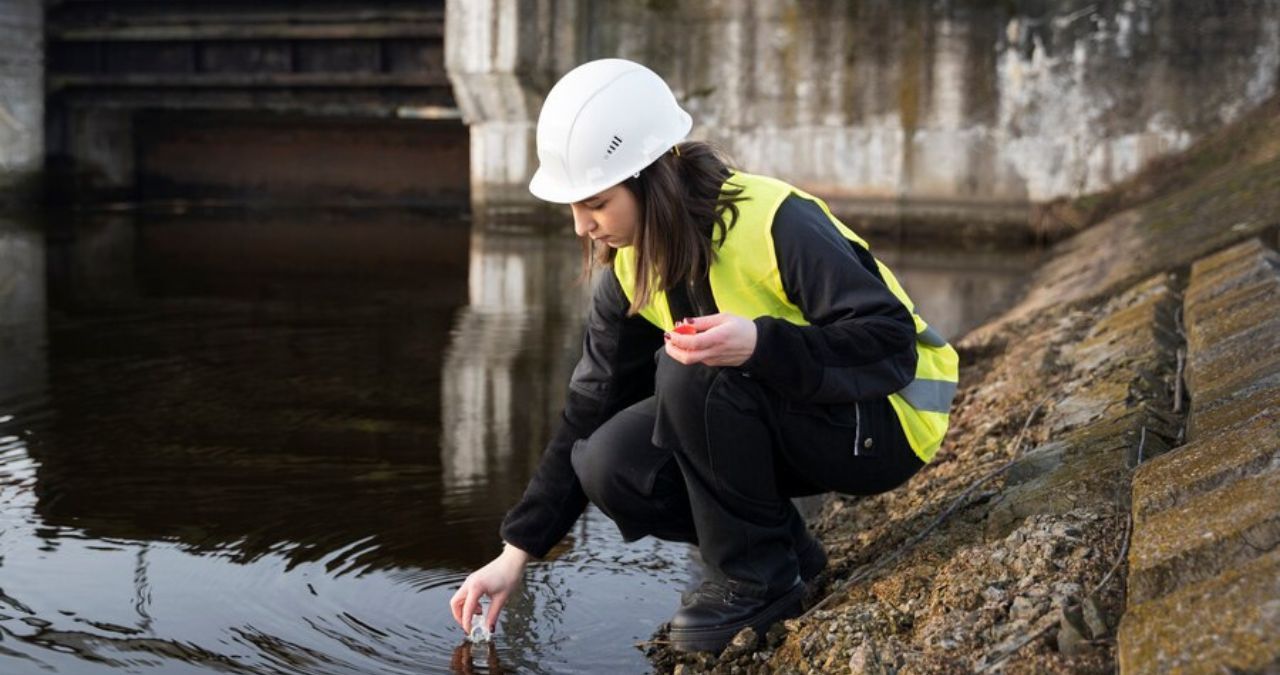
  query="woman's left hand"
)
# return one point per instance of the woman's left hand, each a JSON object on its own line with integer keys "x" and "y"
{"x": 723, "y": 340}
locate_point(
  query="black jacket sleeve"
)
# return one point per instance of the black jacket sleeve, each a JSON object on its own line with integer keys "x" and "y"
{"x": 616, "y": 370}
{"x": 861, "y": 341}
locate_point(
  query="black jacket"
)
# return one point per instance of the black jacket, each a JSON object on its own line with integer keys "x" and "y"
{"x": 860, "y": 344}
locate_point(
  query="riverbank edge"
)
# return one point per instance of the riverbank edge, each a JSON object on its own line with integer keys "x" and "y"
{"x": 1011, "y": 552}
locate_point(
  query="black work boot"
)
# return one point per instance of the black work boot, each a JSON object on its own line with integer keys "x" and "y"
{"x": 711, "y": 615}
{"x": 811, "y": 556}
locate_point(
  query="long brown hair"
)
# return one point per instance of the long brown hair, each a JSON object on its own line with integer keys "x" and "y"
{"x": 684, "y": 216}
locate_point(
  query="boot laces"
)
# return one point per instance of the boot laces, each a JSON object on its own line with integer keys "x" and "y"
{"x": 723, "y": 590}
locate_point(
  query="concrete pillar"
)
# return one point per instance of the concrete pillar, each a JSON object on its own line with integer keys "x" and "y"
{"x": 502, "y": 57}
{"x": 21, "y": 97}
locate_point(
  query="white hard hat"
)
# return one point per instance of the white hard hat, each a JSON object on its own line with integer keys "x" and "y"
{"x": 603, "y": 122}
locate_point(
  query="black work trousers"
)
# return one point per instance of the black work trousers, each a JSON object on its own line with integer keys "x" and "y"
{"x": 714, "y": 456}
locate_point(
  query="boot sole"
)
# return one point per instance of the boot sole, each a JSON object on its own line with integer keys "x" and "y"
{"x": 714, "y": 638}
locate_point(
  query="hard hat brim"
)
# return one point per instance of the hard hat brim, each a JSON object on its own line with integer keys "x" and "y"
{"x": 545, "y": 187}
{"x": 548, "y": 190}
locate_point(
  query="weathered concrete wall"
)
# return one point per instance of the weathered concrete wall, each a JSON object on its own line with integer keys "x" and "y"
{"x": 21, "y": 94}
{"x": 962, "y": 103}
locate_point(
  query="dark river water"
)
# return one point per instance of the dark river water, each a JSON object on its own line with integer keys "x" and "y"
{"x": 277, "y": 442}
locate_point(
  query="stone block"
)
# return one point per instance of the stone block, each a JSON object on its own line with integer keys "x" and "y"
{"x": 1212, "y": 416}
{"x": 1250, "y": 448}
{"x": 1230, "y": 623}
{"x": 1204, "y": 564}
{"x": 1035, "y": 463}
{"x": 1088, "y": 465}
{"x": 1232, "y": 312}
{"x": 1124, "y": 428}
{"x": 1131, "y": 331}
{"x": 1210, "y": 294}
{"x": 1089, "y": 479}
{"x": 1232, "y": 321}
{"x": 1121, "y": 369}
{"x": 1203, "y": 536}
{"x": 1122, "y": 360}
{"x": 1093, "y": 404}
{"x": 1239, "y": 265}
{"x": 1112, "y": 437}
{"x": 1232, "y": 367}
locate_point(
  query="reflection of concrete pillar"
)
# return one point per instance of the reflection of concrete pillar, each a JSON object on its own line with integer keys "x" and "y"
{"x": 509, "y": 359}
{"x": 502, "y": 57}
{"x": 476, "y": 408}
{"x": 21, "y": 94}
{"x": 23, "y": 369}
{"x": 528, "y": 270}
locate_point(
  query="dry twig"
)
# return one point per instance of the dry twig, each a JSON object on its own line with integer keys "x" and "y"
{"x": 1177, "y": 380}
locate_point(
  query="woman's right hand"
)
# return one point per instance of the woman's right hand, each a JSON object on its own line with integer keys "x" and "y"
{"x": 497, "y": 580}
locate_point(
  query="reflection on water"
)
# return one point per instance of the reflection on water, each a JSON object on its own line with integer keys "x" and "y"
{"x": 278, "y": 443}
{"x": 23, "y": 374}
{"x": 957, "y": 286}
{"x": 266, "y": 444}
{"x": 510, "y": 356}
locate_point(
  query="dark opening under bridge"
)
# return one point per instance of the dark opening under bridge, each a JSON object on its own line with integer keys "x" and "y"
{"x": 250, "y": 101}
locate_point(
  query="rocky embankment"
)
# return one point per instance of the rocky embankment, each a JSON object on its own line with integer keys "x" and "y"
{"x": 1110, "y": 491}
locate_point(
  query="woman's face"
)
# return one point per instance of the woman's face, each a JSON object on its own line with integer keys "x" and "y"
{"x": 611, "y": 217}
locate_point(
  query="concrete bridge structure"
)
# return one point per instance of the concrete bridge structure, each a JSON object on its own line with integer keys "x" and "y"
{"x": 961, "y": 109}
{"x": 964, "y": 110}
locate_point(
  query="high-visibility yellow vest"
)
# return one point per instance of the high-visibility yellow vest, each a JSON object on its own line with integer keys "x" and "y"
{"x": 745, "y": 280}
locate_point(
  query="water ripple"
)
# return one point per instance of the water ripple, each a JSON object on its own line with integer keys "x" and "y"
{"x": 220, "y": 465}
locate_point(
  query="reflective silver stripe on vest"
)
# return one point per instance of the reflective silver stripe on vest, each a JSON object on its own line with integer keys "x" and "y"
{"x": 929, "y": 395}
{"x": 930, "y": 337}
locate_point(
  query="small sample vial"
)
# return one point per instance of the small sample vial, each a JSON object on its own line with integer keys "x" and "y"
{"x": 479, "y": 631}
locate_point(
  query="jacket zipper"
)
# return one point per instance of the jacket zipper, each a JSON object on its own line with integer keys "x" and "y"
{"x": 857, "y": 429}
